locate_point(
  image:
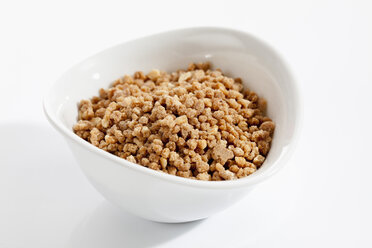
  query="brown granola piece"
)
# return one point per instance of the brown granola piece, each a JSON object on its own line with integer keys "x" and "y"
{"x": 221, "y": 154}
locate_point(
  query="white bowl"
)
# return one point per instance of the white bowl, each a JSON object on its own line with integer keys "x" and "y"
{"x": 155, "y": 195}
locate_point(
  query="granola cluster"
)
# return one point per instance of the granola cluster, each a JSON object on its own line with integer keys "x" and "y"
{"x": 196, "y": 123}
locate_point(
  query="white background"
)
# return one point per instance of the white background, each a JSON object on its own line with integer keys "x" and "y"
{"x": 322, "y": 198}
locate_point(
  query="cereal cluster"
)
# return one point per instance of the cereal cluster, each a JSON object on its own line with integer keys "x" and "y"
{"x": 196, "y": 123}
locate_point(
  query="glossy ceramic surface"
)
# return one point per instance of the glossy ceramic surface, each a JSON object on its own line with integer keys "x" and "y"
{"x": 155, "y": 195}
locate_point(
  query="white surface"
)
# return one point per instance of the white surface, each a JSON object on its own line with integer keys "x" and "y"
{"x": 155, "y": 195}
{"x": 321, "y": 199}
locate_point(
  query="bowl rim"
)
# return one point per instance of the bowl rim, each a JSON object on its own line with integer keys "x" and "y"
{"x": 242, "y": 182}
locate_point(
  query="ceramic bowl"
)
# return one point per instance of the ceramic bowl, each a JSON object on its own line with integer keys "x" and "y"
{"x": 156, "y": 195}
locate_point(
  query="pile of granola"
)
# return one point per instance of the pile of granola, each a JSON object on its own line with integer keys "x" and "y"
{"x": 196, "y": 123}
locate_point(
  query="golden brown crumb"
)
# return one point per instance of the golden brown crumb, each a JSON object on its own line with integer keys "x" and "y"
{"x": 197, "y": 124}
{"x": 221, "y": 154}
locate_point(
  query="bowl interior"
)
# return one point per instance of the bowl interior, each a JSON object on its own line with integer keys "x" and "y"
{"x": 237, "y": 54}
